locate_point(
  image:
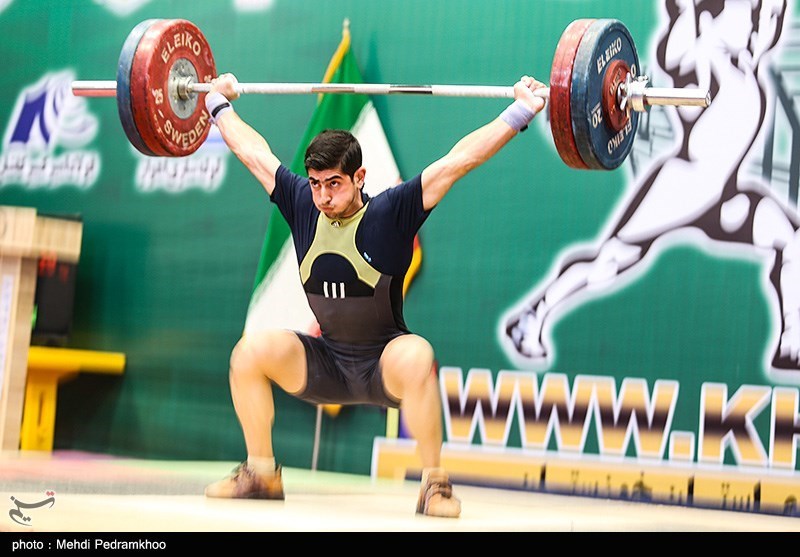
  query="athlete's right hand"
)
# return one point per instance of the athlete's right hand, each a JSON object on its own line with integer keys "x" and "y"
{"x": 523, "y": 91}
{"x": 225, "y": 84}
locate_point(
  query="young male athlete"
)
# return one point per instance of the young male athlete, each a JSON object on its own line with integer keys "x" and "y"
{"x": 353, "y": 252}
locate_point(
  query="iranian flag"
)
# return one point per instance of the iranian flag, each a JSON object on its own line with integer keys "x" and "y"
{"x": 278, "y": 299}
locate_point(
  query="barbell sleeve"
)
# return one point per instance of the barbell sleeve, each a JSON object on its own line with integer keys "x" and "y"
{"x": 94, "y": 88}
{"x": 664, "y": 96}
{"x": 636, "y": 94}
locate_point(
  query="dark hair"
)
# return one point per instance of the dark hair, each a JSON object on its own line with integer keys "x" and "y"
{"x": 334, "y": 149}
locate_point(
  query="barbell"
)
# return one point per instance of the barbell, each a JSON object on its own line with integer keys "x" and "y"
{"x": 595, "y": 92}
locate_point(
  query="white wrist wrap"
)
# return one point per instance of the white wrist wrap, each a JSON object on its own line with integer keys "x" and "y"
{"x": 217, "y": 104}
{"x": 518, "y": 115}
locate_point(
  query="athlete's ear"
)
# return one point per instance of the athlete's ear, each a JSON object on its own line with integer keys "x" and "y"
{"x": 359, "y": 176}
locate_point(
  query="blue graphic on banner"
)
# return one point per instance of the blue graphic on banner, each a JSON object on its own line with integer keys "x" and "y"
{"x": 46, "y": 135}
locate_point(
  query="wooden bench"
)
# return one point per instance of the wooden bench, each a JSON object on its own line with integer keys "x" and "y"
{"x": 47, "y": 367}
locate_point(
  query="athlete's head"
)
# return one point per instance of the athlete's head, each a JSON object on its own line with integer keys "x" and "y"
{"x": 333, "y": 164}
{"x": 334, "y": 149}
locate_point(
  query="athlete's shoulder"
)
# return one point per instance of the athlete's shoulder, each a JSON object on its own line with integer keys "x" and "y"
{"x": 404, "y": 189}
{"x": 285, "y": 175}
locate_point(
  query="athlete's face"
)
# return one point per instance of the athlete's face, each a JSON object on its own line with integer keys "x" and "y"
{"x": 335, "y": 193}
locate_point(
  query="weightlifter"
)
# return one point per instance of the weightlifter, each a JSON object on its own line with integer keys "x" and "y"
{"x": 353, "y": 252}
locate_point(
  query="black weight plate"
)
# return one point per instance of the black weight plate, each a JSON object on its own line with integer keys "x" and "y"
{"x": 600, "y": 145}
{"x": 124, "y": 85}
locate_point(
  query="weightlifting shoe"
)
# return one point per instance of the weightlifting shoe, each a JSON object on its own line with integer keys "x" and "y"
{"x": 244, "y": 483}
{"x": 436, "y": 497}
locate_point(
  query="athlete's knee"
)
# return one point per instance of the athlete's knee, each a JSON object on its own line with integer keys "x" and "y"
{"x": 242, "y": 362}
{"x": 415, "y": 352}
{"x": 410, "y": 356}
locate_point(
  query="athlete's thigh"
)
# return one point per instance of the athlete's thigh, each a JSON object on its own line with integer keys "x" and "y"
{"x": 280, "y": 356}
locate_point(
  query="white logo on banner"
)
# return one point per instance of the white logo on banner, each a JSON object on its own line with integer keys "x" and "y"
{"x": 715, "y": 185}
{"x": 45, "y": 117}
{"x": 122, "y": 7}
{"x": 204, "y": 169}
{"x": 253, "y": 5}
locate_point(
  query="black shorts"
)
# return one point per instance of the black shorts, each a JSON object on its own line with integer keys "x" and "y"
{"x": 343, "y": 373}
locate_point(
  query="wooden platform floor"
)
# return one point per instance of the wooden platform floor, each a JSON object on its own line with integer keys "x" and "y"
{"x": 97, "y": 493}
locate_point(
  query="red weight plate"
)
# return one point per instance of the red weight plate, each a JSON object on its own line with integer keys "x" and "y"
{"x": 560, "y": 92}
{"x": 615, "y": 75}
{"x": 167, "y": 125}
{"x": 138, "y": 88}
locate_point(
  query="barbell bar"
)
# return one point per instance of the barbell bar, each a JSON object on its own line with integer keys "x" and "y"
{"x": 595, "y": 93}
{"x": 650, "y": 96}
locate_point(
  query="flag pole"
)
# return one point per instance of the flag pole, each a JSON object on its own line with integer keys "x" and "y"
{"x": 334, "y": 63}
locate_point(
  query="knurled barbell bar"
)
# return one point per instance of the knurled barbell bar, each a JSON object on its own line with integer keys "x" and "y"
{"x": 595, "y": 91}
